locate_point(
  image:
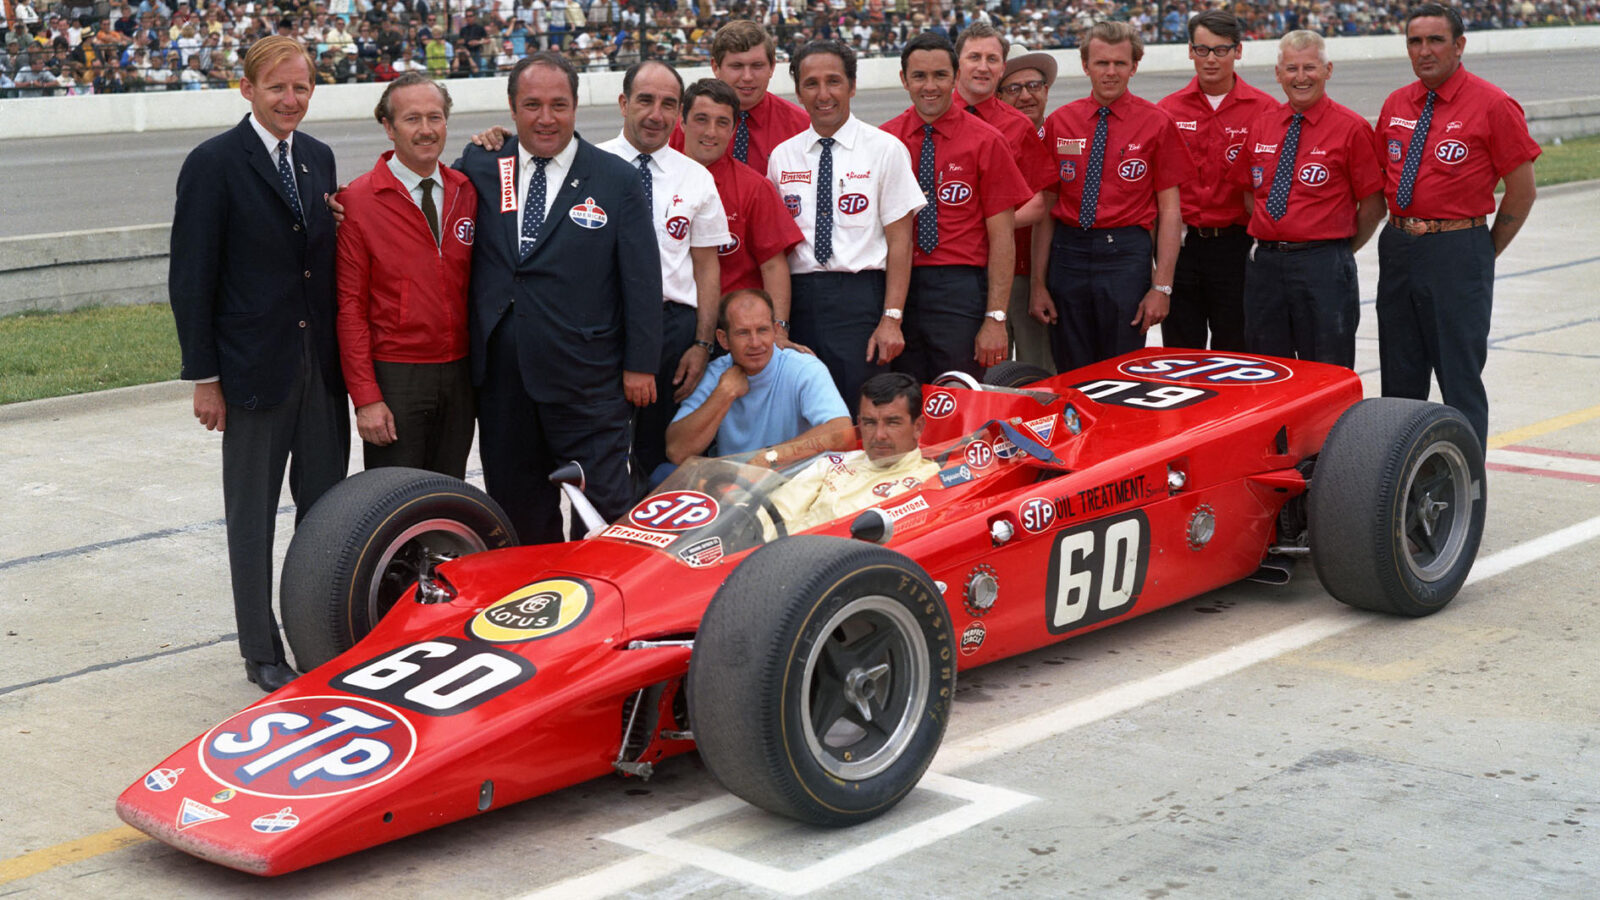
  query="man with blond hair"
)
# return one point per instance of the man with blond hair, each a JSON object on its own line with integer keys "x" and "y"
{"x": 252, "y": 291}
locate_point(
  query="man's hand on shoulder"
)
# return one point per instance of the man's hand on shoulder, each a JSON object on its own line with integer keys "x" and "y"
{"x": 492, "y": 138}
{"x": 209, "y": 406}
{"x": 334, "y": 206}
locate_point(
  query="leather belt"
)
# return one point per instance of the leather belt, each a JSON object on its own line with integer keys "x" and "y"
{"x": 1202, "y": 231}
{"x": 1417, "y": 227}
{"x": 1296, "y": 246}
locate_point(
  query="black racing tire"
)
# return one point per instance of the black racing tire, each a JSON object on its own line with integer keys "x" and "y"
{"x": 1397, "y": 503}
{"x": 806, "y": 634}
{"x": 357, "y": 552}
{"x": 1012, "y": 374}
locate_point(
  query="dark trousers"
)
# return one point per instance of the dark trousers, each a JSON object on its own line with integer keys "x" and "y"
{"x": 650, "y": 422}
{"x": 521, "y": 441}
{"x": 1208, "y": 290}
{"x": 1303, "y": 304}
{"x": 1030, "y": 338}
{"x": 433, "y": 416}
{"x": 1435, "y": 295}
{"x": 835, "y": 313}
{"x": 310, "y": 432}
{"x": 1097, "y": 279}
{"x": 944, "y": 310}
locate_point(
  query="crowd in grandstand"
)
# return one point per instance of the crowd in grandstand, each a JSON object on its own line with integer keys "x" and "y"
{"x": 94, "y": 46}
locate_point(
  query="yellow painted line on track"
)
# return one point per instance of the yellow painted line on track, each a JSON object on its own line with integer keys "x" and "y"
{"x": 30, "y": 864}
{"x": 39, "y": 861}
{"x": 1567, "y": 420}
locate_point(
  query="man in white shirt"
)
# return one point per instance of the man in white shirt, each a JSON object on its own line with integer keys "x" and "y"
{"x": 854, "y": 194}
{"x": 690, "y": 225}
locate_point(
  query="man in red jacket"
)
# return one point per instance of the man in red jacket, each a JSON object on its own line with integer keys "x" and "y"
{"x": 405, "y": 255}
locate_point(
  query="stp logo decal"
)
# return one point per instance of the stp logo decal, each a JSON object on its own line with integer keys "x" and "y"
{"x": 534, "y": 611}
{"x": 303, "y": 747}
{"x": 1069, "y": 170}
{"x": 972, "y": 638}
{"x": 1233, "y": 151}
{"x": 1204, "y": 368}
{"x": 939, "y": 404}
{"x": 1133, "y": 169}
{"x": 791, "y": 202}
{"x": 674, "y": 511}
{"x": 1451, "y": 152}
{"x": 851, "y": 204}
{"x": 980, "y": 455}
{"x": 678, "y": 227}
{"x": 464, "y": 230}
{"x": 1394, "y": 150}
{"x": 587, "y": 214}
{"x": 954, "y": 193}
{"x": 1037, "y": 514}
{"x": 1313, "y": 174}
{"x": 730, "y": 247}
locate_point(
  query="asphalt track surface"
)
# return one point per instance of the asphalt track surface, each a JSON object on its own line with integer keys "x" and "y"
{"x": 74, "y": 183}
{"x": 1256, "y": 742}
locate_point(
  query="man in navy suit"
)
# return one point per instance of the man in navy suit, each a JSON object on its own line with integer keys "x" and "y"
{"x": 565, "y": 308}
{"x": 252, "y": 289}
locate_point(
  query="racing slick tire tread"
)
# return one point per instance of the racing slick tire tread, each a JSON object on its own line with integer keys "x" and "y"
{"x": 747, "y": 676}
{"x": 334, "y": 554}
{"x": 1013, "y": 374}
{"x": 1358, "y": 505}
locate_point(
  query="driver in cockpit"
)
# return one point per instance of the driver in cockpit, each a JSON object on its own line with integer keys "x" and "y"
{"x": 888, "y": 463}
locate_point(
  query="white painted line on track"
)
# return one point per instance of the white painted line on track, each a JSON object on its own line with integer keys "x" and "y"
{"x": 653, "y": 836}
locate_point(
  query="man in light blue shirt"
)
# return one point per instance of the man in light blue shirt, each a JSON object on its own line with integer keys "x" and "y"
{"x": 759, "y": 395}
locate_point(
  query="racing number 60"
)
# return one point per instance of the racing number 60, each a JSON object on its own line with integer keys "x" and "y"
{"x": 1096, "y": 571}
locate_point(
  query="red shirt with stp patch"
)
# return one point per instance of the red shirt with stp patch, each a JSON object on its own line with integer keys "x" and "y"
{"x": 1335, "y": 167}
{"x": 760, "y": 225}
{"x": 1038, "y": 170}
{"x": 1144, "y": 155}
{"x": 1478, "y": 135}
{"x": 772, "y": 121}
{"x": 1214, "y": 138}
{"x": 975, "y": 177}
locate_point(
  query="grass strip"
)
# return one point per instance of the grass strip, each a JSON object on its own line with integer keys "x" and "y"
{"x": 54, "y": 354}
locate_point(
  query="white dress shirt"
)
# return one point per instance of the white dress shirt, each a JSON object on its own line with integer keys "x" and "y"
{"x": 867, "y": 163}
{"x": 412, "y": 182}
{"x": 270, "y": 140}
{"x": 686, "y": 211}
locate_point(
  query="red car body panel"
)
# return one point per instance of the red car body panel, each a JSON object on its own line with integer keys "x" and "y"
{"x": 449, "y": 709}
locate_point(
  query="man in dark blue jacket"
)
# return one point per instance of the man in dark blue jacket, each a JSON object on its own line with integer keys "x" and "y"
{"x": 252, "y": 290}
{"x": 565, "y": 311}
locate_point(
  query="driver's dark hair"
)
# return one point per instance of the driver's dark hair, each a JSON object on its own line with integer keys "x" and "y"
{"x": 882, "y": 389}
{"x": 1429, "y": 10}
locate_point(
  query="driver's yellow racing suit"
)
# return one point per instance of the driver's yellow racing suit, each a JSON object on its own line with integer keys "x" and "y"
{"x": 839, "y": 484}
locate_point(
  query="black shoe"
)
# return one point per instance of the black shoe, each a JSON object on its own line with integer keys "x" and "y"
{"x": 270, "y": 676}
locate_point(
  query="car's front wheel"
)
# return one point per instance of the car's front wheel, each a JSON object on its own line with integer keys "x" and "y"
{"x": 822, "y": 678}
{"x": 364, "y": 544}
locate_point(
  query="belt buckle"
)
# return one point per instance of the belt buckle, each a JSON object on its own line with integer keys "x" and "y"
{"x": 1415, "y": 227}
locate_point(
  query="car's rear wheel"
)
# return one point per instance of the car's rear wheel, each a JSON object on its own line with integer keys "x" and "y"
{"x": 1012, "y": 374}
{"x": 361, "y": 548}
{"x": 1397, "y": 504}
{"x": 822, "y": 678}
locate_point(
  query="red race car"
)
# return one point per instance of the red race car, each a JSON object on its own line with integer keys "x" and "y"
{"x": 812, "y": 672}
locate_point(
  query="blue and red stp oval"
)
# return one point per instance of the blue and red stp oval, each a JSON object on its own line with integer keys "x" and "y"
{"x": 674, "y": 511}
{"x": 305, "y": 747}
{"x": 1208, "y": 369}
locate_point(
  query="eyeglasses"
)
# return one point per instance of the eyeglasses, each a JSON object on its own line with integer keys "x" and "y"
{"x": 1017, "y": 87}
{"x": 1202, "y": 51}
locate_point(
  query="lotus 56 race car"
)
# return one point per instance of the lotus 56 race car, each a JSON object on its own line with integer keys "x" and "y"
{"x": 449, "y": 672}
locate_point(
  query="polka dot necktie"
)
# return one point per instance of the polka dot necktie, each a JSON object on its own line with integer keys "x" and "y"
{"x": 286, "y": 175}
{"x": 1283, "y": 177}
{"x": 824, "y": 233}
{"x": 644, "y": 176}
{"x": 928, "y": 216}
{"x": 1419, "y": 138}
{"x": 1089, "y": 204}
{"x": 741, "y": 138}
{"x": 533, "y": 209}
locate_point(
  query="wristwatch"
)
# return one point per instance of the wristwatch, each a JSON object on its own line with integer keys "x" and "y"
{"x": 771, "y": 457}
{"x": 894, "y": 314}
{"x": 1163, "y": 288}
{"x": 999, "y": 315}
{"x": 706, "y": 345}
{"x": 782, "y": 323}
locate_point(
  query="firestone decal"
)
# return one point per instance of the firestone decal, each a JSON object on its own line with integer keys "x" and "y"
{"x": 639, "y": 535}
